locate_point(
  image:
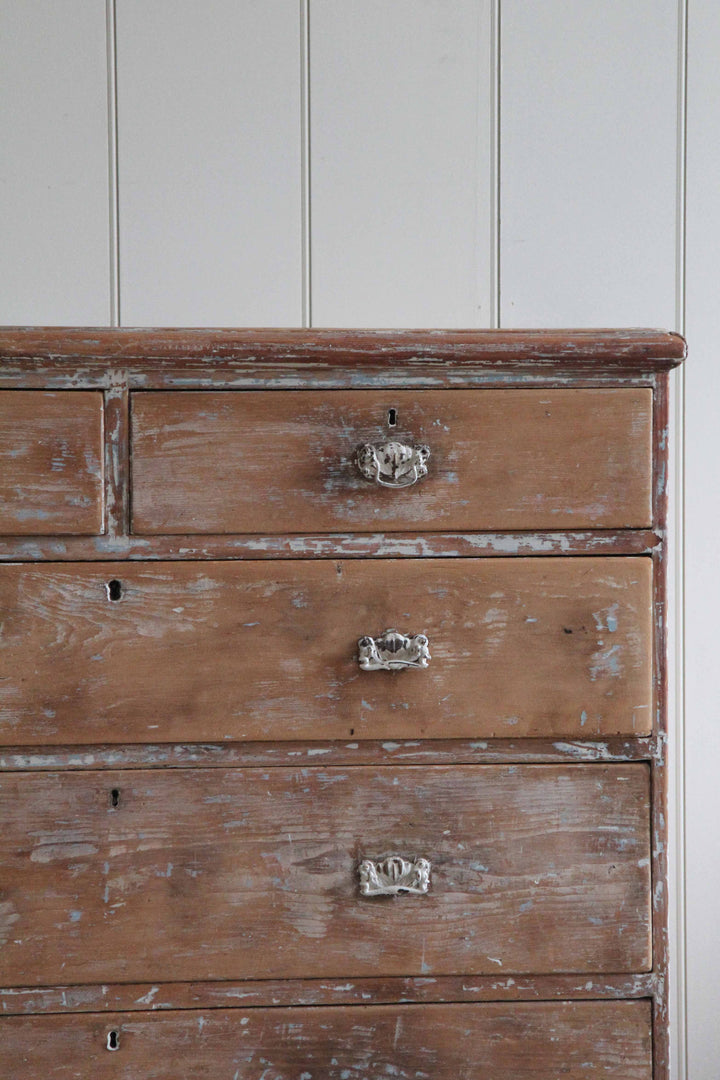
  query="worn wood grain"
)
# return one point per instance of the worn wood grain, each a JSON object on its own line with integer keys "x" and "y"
{"x": 117, "y": 463}
{"x": 537, "y": 1041}
{"x": 293, "y": 752}
{"x": 572, "y": 350}
{"x": 91, "y": 739}
{"x": 254, "y": 873}
{"x": 253, "y": 651}
{"x": 266, "y": 461}
{"x": 326, "y": 545}
{"x": 369, "y": 990}
{"x": 51, "y": 472}
{"x": 660, "y": 772}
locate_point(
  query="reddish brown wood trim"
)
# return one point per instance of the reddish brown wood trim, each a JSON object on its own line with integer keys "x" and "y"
{"x": 244, "y": 375}
{"x": 617, "y": 350}
{"x": 509, "y": 1039}
{"x": 326, "y": 545}
{"x": 268, "y": 754}
{"x": 117, "y": 465}
{"x": 260, "y": 993}
{"x": 659, "y": 770}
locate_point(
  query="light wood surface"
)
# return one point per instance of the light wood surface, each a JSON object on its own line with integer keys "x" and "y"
{"x": 269, "y": 461}
{"x": 448, "y": 1042}
{"x": 51, "y": 462}
{"x": 194, "y": 771}
{"x": 256, "y": 651}
{"x": 216, "y": 874}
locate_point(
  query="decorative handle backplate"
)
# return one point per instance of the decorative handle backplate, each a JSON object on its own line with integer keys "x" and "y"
{"x": 393, "y": 651}
{"x": 393, "y": 875}
{"x": 393, "y": 464}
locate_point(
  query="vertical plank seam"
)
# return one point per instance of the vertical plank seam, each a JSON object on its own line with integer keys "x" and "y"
{"x": 305, "y": 175}
{"x": 113, "y": 188}
{"x": 495, "y": 102}
{"x": 679, "y": 949}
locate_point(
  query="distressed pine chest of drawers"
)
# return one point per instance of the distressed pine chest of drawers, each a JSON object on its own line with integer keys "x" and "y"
{"x": 332, "y": 704}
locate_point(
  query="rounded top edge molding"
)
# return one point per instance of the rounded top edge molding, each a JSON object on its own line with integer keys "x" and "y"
{"x": 543, "y": 351}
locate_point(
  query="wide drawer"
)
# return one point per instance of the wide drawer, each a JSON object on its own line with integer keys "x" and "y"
{"x": 259, "y": 651}
{"x": 542, "y": 1040}
{"x": 179, "y": 875}
{"x": 275, "y": 461}
{"x": 51, "y": 462}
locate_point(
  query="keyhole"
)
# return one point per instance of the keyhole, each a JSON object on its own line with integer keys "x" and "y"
{"x": 113, "y": 1040}
{"x": 392, "y": 417}
{"x": 115, "y": 797}
{"x": 114, "y": 589}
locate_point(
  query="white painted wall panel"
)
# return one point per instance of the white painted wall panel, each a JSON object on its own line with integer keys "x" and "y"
{"x": 54, "y": 214}
{"x": 209, "y": 142}
{"x": 702, "y": 574}
{"x": 588, "y": 162}
{"x": 401, "y": 162}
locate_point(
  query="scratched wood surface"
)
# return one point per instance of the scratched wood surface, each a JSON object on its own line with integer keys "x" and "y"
{"x": 370, "y": 990}
{"x": 620, "y": 351}
{"x": 268, "y": 461}
{"x": 125, "y": 681}
{"x": 537, "y": 1041}
{"x": 256, "y": 651}
{"x": 323, "y": 545}
{"x": 181, "y": 875}
{"x": 50, "y": 462}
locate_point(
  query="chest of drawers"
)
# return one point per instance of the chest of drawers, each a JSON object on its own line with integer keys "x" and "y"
{"x": 332, "y": 704}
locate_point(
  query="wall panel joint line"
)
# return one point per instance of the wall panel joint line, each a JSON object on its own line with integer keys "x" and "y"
{"x": 113, "y": 186}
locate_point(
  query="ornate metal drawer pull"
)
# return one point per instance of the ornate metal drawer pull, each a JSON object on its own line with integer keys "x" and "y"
{"x": 394, "y": 875}
{"x": 393, "y": 651}
{"x": 393, "y": 464}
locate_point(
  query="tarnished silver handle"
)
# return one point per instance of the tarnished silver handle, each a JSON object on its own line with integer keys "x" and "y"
{"x": 392, "y": 875}
{"x": 393, "y": 651}
{"x": 393, "y": 464}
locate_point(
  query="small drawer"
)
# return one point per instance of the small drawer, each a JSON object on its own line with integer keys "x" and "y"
{"x": 51, "y": 452}
{"x": 195, "y": 874}
{"x": 345, "y": 461}
{"x": 184, "y": 652}
{"x": 446, "y": 1042}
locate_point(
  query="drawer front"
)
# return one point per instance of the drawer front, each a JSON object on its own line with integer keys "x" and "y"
{"x": 544, "y": 1040}
{"x": 181, "y": 875}
{"x": 273, "y": 461}
{"x": 258, "y": 651}
{"x": 51, "y": 462}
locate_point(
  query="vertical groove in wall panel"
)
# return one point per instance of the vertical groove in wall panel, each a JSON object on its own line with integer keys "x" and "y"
{"x": 496, "y": 107}
{"x": 306, "y": 173}
{"x": 702, "y": 521}
{"x": 401, "y": 152}
{"x": 588, "y": 145}
{"x": 113, "y": 223}
{"x": 209, "y": 144}
{"x": 53, "y": 178}
{"x": 676, "y": 612}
